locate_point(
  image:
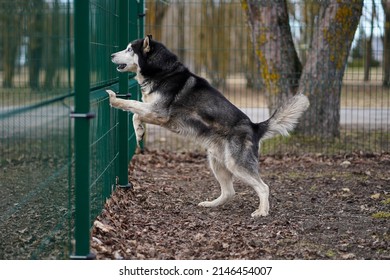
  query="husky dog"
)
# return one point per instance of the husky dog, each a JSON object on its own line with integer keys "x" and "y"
{"x": 177, "y": 99}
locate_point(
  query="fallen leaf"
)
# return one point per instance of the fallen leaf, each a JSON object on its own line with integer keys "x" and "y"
{"x": 345, "y": 163}
{"x": 117, "y": 255}
{"x": 97, "y": 240}
{"x": 348, "y": 256}
{"x": 103, "y": 227}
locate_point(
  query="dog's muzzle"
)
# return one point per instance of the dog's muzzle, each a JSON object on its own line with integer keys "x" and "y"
{"x": 120, "y": 66}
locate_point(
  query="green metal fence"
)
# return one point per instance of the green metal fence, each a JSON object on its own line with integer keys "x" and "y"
{"x": 62, "y": 149}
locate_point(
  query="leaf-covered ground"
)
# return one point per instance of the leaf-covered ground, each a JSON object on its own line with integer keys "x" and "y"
{"x": 321, "y": 208}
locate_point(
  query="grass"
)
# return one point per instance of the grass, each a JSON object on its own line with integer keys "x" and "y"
{"x": 349, "y": 140}
{"x": 381, "y": 215}
{"x": 330, "y": 253}
{"x": 386, "y": 201}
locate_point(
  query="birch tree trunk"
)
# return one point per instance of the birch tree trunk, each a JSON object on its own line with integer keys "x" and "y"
{"x": 322, "y": 74}
{"x": 368, "y": 56}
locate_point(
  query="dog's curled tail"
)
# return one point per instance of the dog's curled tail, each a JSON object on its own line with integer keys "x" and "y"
{"x": 286, "y": 117}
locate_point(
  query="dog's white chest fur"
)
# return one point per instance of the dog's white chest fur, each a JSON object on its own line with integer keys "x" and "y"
{"x": 151, "y": 97}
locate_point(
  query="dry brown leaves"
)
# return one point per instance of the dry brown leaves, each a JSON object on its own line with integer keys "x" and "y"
{"x": 321, "y": 208}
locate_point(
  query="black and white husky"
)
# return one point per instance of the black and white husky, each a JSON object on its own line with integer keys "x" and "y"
{"x": 187, "y": 104}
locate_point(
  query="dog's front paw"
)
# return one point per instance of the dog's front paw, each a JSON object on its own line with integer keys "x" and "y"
{"x": 112, "y": 96}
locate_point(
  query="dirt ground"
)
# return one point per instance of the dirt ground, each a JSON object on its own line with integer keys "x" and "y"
{"x": 321, "y": 208}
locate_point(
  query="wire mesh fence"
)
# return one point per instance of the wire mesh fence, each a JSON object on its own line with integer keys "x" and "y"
{"x": 213, "y": 38}
{"x": 34, "y": 129}
{"x": 37, "y": 70}
{"x": 39, "y": 179}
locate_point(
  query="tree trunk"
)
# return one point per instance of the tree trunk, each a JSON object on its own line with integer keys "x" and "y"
{"x": 368, "y": 55}
{"x": 181, "y": 30}
{"x": 386, "y": 44}
{"x": 278, "y": 62}
{"x": 213, "y": 42}
{"x": 10, "y": 34}
{"x": 53, "y": 45}
{"x": 35, "y": 44}
{"x": 322, "y": 75}
{"x": 309, "y": 10}
{"x": 156, "y": 11}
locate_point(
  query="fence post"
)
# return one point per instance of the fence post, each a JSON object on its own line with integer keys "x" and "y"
{"x": 141, "y": 34}
{"x": 141, "y": 18}
{"x": 123, "y": 135}
{"x": 81, "y": 143}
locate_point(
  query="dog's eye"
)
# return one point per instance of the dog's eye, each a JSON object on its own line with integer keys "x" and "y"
{"x": 130, "y": 50}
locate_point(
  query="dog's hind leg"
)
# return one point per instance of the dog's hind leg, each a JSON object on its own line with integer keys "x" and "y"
{"x": 248, "y": 173}
{"x": 225, "y": 179}
{"x": 260, "y": 188}
{"x": 262, "y": 191}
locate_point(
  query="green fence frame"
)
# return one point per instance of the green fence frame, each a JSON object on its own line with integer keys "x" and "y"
{"x": 129, "y": 27}
{"x": 82, "y": 116}
{"x": 90, "y": 143}
{"x": 36, "y": 141}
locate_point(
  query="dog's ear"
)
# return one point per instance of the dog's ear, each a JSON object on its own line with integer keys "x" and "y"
{"x": 146, "y": 45}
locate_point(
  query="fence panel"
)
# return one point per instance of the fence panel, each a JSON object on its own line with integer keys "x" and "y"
{"x": 56, "y": 172}
{"x": 109, "y": 136}
{"x": 35, "y": 129}
{"x": 213, "y": 39}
